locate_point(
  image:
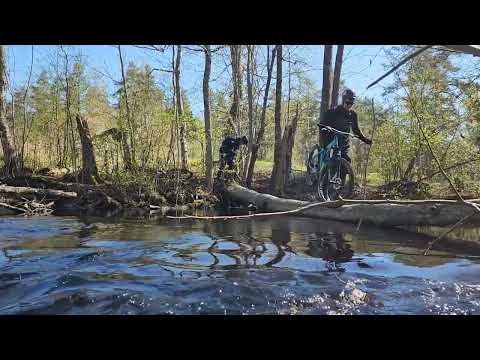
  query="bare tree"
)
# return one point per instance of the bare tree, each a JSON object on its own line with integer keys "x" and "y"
{"x": 288, "y": 142}
{"x": 206, "y": 114}
{"x": 129, "y": 149}
{"x": 69, "y": 122}
{"x": 179, "y": 104}
{"x": 250, "y": 55}
{"x": 261, "y": 131}
{"x": 24, "y": 132}
{"x": 235, "y": 53}
{"x": 173, "y": 124}
{"x": 11, "y": 81}
{"x": 277, "y": 167}
{"x": 327, "y": 82}
{"x": 336, "y": 74}
{"x": 9, "y": 153}
{"x": 89, "y": 173}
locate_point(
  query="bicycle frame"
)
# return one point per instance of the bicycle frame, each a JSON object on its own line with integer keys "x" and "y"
{"x": 332, "y": 150}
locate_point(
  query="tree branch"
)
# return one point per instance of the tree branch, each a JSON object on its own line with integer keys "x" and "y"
{"x": 460, "y": 198}
{"x": 403, "y": 61}
{"x": 151, "y": 47}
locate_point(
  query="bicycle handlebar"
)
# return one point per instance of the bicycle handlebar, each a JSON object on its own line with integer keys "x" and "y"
{"x": 329, "y": 128}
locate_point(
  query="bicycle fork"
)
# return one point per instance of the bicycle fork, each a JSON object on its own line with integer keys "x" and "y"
{"x": 335, "y": 176}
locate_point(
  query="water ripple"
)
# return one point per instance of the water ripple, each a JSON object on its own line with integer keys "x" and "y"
{"x": 276, "y": 266}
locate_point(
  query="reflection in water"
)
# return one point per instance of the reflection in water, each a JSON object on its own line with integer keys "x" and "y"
{"x": 256, "y": 246}
{"x": 331, "y": 247}
{"x": 268, "y": 265}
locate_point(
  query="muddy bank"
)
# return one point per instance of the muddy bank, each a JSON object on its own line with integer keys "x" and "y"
{"x": 45, "y": 195}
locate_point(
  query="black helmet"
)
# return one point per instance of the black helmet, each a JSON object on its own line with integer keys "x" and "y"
{"x": 348, "y": 94}
{"x": 244, "y": 140}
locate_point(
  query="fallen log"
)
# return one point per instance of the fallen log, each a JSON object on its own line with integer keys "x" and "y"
{"x": 7, "y": 209}
{"x": 377, "y": 212}
{"x": 48, "y": 182}
{"x": 32, "y": 201}
{"x": 28, "y": 191}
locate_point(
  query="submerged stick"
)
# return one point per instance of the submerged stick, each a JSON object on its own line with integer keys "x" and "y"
{"x": 330, "y": 204}
{"x": 11, "y": 207}
{"x": 327, "y": 204}
{"x": 459, "y": 222}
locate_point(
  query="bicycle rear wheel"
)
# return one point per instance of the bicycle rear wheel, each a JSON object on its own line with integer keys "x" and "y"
{"x": 336, "y": 179}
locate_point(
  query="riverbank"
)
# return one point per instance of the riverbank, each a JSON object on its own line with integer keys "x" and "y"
{"x": 51, "y": 191}
{"x": 162, "y": 192}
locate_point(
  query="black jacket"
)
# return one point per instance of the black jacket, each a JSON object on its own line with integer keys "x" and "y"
{"x": 230, "y": 145}
{"x": 342, "y": 120}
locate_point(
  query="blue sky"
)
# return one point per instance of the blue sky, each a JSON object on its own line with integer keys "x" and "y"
{"x": 362, "y": 65}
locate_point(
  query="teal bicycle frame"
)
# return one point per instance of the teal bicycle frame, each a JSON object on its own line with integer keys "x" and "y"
{"x": 331, "y": 151}
{"x": 325, "y": 154}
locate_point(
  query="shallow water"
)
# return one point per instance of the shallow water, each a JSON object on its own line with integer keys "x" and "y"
{"x": 283, "y": 265}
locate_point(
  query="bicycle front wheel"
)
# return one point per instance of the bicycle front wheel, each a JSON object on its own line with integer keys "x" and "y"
{"x": 336, "y": 179}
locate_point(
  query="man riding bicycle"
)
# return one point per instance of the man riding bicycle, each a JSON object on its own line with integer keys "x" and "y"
{"x": 329, "y": 166}
{"x": 344, "y": 119}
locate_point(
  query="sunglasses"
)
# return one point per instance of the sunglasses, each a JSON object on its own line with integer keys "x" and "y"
{"x": 350, "y": 103}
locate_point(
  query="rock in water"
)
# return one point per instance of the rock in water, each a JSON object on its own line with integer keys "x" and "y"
{"x": 353, "y": 295}
{"x": 363, "y": 265}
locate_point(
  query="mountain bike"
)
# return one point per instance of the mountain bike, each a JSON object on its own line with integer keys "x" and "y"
{"x": 327, "y": 171}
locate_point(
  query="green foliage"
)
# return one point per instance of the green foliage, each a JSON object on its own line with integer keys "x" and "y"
{"x": 428, "y": 91}
{"x": 374, "y": 179}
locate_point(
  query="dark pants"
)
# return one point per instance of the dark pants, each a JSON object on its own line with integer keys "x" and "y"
{"x": 226, "y": 159}
{"x": 345, "y": 153}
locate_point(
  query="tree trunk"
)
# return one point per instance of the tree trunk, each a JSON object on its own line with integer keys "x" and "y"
{"x": 428, "y": 164}
{"x": 235, "y": 110}
{"x": 377, "y": 212}
{"x": 171, "y": 146}
{"x": 327, "y": 82}
{"x": 250, "y": 50}
{"x": 289, "y": 143}
{"x": 48, "y": 194}
{"x": 235, "y": 52}
{"x": 336, "y": 75}
{"x": 13, "y": 121}
{"x": 277, "y": 172}
{"x": 285, "y": 157}
{"x": 179, "y": 100}
{"x": 206, "y": 115}
{"x": 24, "y": 132}
{"x": 174, "y": 133}
{"x": 69, "y": 122}
{"x": 129, "y": 150}
{"x": 411, "y": 165}
{"x": 60, "y": 149}
{"x": 89, "y": 163}
{"x": 9, "y": 153}
{"x": 261, "y": 131}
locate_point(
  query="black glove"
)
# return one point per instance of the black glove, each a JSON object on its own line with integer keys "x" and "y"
{"x": 367, "y": 141}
